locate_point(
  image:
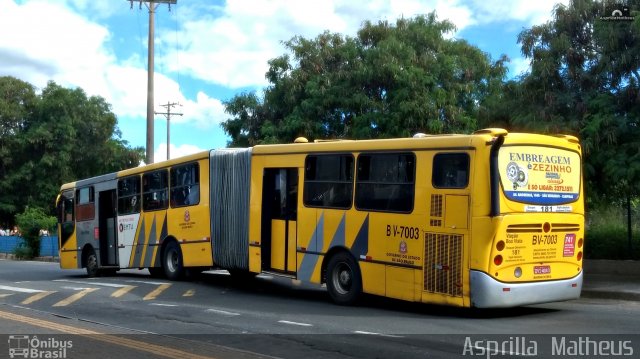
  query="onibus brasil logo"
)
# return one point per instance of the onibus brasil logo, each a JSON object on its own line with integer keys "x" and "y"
{"x": 25, "y": 346}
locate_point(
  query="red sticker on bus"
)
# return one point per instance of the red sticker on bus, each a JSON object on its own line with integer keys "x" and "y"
{"x": 541, "y": 269}
{"x": 569, "y": 245}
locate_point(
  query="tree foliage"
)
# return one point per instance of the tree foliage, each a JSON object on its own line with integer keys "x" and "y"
{"x": 50, "y": 138}
{"x": 390, "y": 80}
{"x": 31, "y": 222}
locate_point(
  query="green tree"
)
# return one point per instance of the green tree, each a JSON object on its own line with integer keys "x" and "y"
{"x": 47, "y": 139}
{"x": 17, "y": 103}
{"x": 390, "y": 80}
{"x": 71, "y": 136}
{"x": 31, "y": 222}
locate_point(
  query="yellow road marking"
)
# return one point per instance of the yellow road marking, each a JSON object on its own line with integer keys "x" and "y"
{"x": 122, "y": 291}
{"x": 189, "y": 293}
{"x": 75, "y": 297}
{"x": 36, "y": 297}
{"x": 156, "y": 292}
{"x": 124, "y": 342}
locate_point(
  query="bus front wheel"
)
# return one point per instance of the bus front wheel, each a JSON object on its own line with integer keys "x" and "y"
{"x": 172, "y": 262}
{"x": 344, "y": 281}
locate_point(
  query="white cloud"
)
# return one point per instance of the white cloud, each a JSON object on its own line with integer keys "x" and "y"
{"x": 227, "y": 45}
{"x": 230, "y": 45}
{"x": 233, "y": 49}
{"x": 52, "y": 42}
{"x": 160, "y": 153}
{"x": 46, "y": 41}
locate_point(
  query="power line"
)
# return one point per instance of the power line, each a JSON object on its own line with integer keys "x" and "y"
{"x": 168, "y": 114}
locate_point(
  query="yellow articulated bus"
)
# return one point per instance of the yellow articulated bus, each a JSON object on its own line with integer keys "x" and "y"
{"x": 491, "y": 219}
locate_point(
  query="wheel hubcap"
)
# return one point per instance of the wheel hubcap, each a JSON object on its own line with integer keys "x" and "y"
{"x": 172, "y": 261}
{"x": 342, "y": 278}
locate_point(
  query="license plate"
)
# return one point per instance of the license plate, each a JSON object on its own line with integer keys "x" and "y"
{"x": 541, "y": 269}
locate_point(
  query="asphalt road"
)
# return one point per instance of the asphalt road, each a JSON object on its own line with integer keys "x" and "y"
{"x": 133, "y": 315}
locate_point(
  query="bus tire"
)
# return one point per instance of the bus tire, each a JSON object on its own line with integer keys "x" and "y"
{"x": 344, "y": 281}
{"x": 172, "y": 261}
{"x": 91, "y": 264}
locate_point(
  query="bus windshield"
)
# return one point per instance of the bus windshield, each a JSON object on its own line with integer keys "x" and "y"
{"x": 540, "y": 176}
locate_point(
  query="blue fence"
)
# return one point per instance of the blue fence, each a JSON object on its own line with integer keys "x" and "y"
{"x": 48, "y": 245}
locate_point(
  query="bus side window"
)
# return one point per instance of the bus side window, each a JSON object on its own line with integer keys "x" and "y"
{"x": 129, "y": 195}
{"x": 185, "y": 185}
{"x": 328, "y": 181}
{"x": 155, "y": 190}
{"x": 85, "y": 204}
{"x": 450, "y": 170}
{"x": 385, "y": 182}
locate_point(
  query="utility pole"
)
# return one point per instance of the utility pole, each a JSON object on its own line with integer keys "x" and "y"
{"x": 151, "y": 5}
{"x": 168, "y": 114}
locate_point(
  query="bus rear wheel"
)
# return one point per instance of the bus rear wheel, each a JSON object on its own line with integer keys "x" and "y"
{"x": 344, "y": 281}
{"x": 172, "y": 262}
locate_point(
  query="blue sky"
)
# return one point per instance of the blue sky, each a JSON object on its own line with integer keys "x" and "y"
{"x": 206, "y": 51}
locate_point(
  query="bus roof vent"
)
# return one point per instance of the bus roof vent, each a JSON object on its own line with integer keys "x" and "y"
{"x": 301, "y": 140}
{"x": 492, "y": 131}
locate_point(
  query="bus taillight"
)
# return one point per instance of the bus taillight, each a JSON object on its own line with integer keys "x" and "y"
{"x": 500, "y": 246}
{"x": 497, "y": 260}
{"x": 546, "y": 227}
{"x": 579, "y": 256}
{"x": 580, "y": 243}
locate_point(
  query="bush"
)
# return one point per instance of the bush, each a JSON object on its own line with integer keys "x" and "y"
{"x": 30, "y": 222}
{"x": 606, "y": 234}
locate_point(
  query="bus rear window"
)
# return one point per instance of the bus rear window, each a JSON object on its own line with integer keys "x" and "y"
{"x": 539, "y": 175}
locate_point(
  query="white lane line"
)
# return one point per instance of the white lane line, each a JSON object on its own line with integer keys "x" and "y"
{"x": 146, "y": 282}
{"x": 79, "y": 288}
{"x": 112, "y": 285}
{"x": 378, "y": 334}
{"x": 223, "y": 312}
{"x": 20, "y": 290}
{"x": 164, "y": 305}
{"x": 295, "y": 323}
{"x": 264, "y": 276}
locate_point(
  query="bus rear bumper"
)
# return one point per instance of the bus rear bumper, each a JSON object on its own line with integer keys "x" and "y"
{"x": 486, "y": 292}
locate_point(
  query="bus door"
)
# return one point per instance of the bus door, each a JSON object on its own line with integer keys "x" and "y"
{"x": 279, "y": 219}
{"x": 447, "y": 226}
{"x": 107, "y": 228}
